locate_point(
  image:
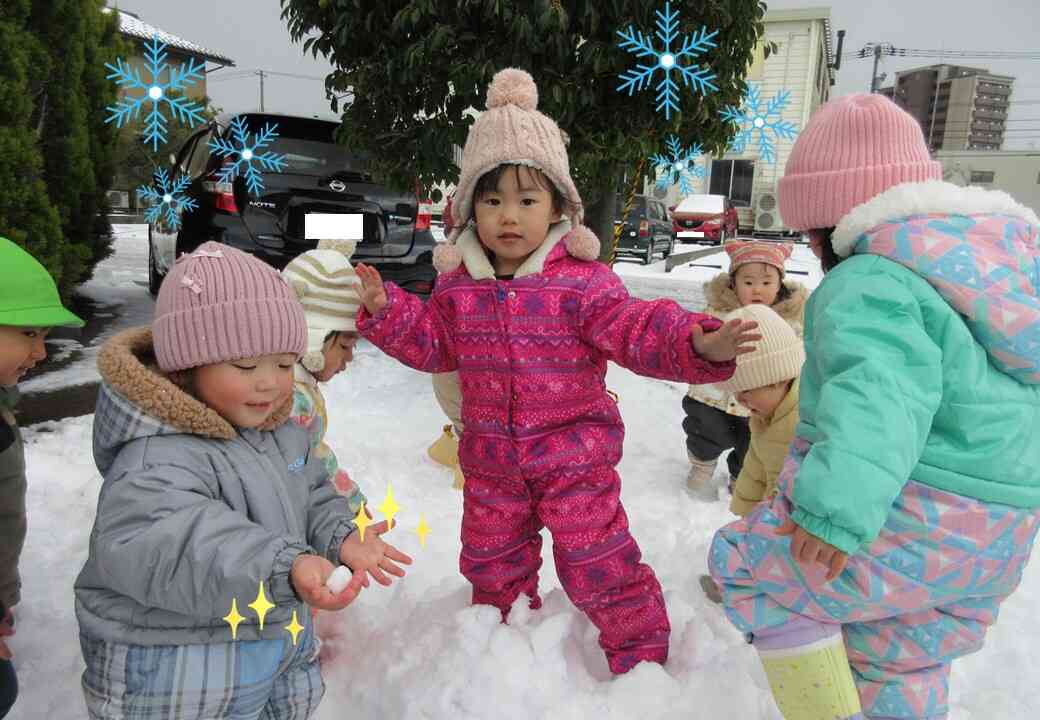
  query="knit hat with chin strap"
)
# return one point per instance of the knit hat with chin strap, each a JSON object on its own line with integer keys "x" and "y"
{"x": 512, "y": 132}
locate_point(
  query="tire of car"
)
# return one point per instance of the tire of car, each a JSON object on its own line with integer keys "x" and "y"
{"x": 649, "y": 256}
{"x": 671, "y": 247}
{"x": 155, "y": 278}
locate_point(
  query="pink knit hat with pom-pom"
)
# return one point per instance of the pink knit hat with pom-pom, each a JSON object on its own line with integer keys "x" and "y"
{"x": 512, "y": 131}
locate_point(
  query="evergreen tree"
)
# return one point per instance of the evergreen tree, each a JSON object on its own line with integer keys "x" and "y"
{"x": 414, "y": 67}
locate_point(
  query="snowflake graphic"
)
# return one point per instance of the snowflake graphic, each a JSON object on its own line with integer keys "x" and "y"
{"x": 247, "y": 154}
{"x": 667, "y": 89}
{"x": 169, "y": 196}
{"x": 678, "y": 166}
{"x": 753, "y": 118}
{"x": 157, "y": 92}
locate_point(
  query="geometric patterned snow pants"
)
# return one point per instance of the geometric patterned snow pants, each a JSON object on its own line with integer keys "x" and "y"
{"x": 597, "y": 560}
{"x": 923, "y": 593}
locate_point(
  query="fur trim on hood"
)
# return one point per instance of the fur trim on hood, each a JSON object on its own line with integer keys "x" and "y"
{"x": 127, "y": 364}
{"x": 923, "y": 198}
{"x": 467, "y": 250}
{"x": 722, "y": 299}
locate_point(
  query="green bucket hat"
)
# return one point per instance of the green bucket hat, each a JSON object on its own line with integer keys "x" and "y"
{"x": 28, "y": 296}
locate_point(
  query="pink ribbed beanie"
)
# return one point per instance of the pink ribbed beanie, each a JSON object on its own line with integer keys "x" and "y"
{"x": 220, "y": 304}
{"x": 854, "y": 147}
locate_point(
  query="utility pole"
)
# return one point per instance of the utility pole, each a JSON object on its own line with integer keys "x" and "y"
{"x": 873, "y": 75}
{"x": 261, "y": 74}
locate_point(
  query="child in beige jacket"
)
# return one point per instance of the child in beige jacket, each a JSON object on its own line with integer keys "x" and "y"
{"x": 766, "y": 384}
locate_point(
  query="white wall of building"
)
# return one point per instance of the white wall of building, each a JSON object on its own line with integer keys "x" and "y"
{"x": 1015, "y": 172}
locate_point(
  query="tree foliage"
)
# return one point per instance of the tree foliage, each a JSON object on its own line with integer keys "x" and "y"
{"x": 55, "y": 150}
{"x": 414, "y": 67}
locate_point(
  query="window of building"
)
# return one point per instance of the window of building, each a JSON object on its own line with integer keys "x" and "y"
{"x": 982, "y": 176}
{"x": 733, "y": 178}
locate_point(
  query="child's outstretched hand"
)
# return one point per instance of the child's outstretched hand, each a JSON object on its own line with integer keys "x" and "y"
{"x": 373, "y": 555}
{"x": 310, "y": 573}
{"x": 373, "y": 296}
{"x": 807, "y": 548}
{"x": 730, "y": 340}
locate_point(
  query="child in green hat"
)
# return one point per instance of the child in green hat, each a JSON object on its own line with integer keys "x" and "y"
{"x": 29, "y": 308}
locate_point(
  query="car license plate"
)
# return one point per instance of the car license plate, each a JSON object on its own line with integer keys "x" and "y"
{"x": 690, "y": 234}
{"x": 334, "y": 226}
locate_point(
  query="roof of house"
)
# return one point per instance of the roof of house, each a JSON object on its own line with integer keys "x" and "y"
{"x": 133, "y": 26}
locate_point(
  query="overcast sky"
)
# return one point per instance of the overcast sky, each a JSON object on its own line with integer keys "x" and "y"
{"x": 253, "y": 35}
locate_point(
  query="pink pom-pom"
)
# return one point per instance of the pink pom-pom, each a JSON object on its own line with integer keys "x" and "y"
{"x": 512, "y": 86}
{"x": 446, "y": 257}
{"x": 582, "y": 243}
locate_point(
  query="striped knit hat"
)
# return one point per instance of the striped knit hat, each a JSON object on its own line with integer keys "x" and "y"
{"x": 327, "y": 286}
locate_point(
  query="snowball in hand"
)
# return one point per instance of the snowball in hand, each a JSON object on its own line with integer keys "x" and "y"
{"x": 339, "y": 579}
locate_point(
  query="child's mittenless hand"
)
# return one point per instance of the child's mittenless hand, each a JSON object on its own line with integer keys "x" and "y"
{"x": 807, "y": 548}
{"x": 727, "y": 342}
{"x": 309, "y": 575}
{"x": 373, "y": 555}
{"x": 373, "y": 296}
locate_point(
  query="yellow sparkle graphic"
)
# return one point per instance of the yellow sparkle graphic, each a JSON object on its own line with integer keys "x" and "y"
{"x": 294, "y": 628}
{"x": 362, "y": 521}
{"x": 389, "y": 506}
{"x": 233, "y": 619}
{"x": 423, "y": 530}
{"x": 261, "y": 605}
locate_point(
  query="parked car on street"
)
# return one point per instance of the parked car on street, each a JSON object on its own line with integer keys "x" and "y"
{"x": 646, "y": 231}
{"x": 318, "y": 177}
{"x": 705, "y": 218}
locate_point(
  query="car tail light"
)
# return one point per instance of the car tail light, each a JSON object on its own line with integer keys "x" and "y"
{"x": 423, "y": 286}
{"x": 223, "y": 192}
{"x": 425, "y": 215}
{"x": 644, "y": 228}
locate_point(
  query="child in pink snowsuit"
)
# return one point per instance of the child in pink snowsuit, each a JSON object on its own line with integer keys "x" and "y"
{"x": 529, "y": 319}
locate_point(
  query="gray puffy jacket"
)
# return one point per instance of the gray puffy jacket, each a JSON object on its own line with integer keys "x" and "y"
{"x": 194, "y": 512}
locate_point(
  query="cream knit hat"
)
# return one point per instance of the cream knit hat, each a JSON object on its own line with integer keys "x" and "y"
{"x": 778, "y": 356}
{"x": 327, "y": 286}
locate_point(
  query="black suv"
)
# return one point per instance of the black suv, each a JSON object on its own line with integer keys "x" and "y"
{"x": 318, "y": 176}
{"x": 647, "y": 229}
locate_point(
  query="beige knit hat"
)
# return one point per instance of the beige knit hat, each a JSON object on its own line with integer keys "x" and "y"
{"x": 512, "y": 131}
{"x": 327, "y": 286}
{"x": 778, "y": 356}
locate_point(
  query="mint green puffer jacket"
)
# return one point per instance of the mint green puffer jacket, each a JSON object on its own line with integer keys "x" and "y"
{"x": 921, "y": 354}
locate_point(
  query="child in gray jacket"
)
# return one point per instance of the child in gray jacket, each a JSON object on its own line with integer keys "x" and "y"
{"x": 215, "y": 522}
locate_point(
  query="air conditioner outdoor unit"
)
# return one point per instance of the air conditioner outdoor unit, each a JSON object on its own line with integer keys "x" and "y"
{"x": 118, "y": 199}
{"x": 767, "y": 215}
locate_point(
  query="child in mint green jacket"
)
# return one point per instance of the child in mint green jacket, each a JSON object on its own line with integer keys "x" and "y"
{"x": 909, "y": 499}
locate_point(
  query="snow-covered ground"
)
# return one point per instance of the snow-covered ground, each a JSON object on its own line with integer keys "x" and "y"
{"x": 418, "y": 649}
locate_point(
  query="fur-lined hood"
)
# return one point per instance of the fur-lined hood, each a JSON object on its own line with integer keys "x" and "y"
{"x": 923, "y": 198}
{"x": 722, "y": 299}
{"x": 138, "y": 400}
{"x": 468, "y": 251}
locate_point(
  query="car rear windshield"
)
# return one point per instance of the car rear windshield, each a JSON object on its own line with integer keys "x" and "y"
{"x": 309, "y": 146}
